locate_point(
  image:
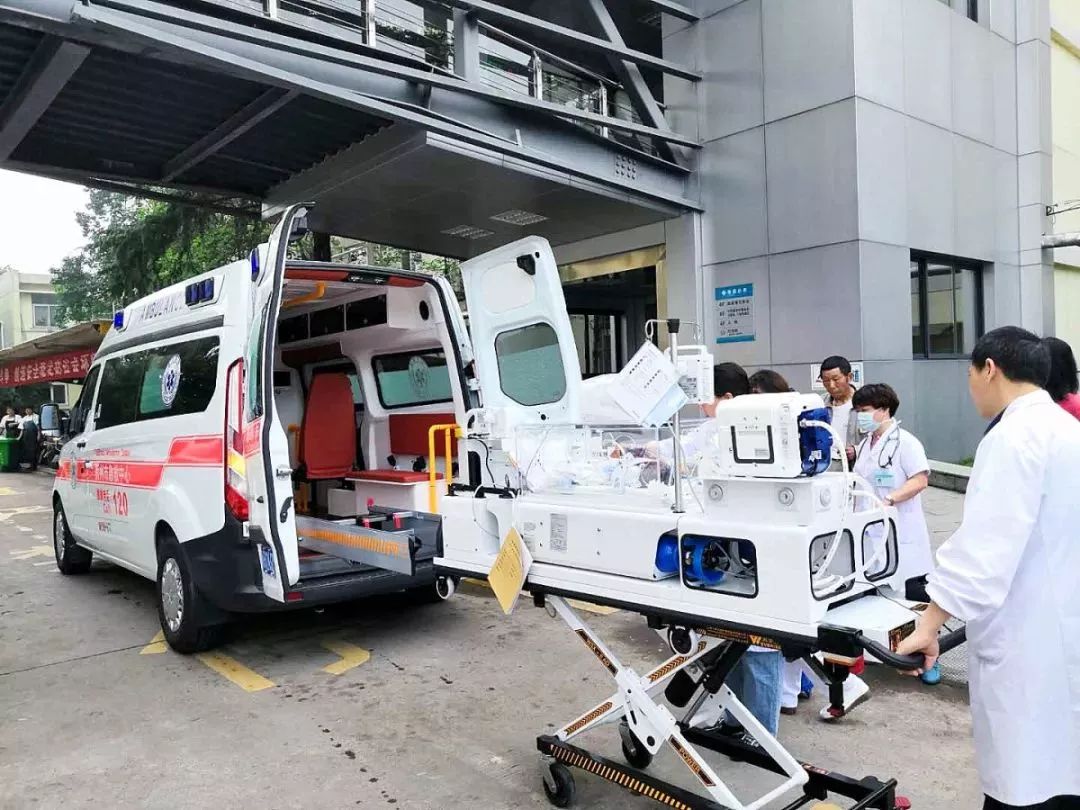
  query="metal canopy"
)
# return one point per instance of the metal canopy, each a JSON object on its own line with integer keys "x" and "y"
{"x": 415, "y": 189}
{"x": 136, "y": 94}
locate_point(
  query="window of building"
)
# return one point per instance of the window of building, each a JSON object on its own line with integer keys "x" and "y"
{"x": 45, "y": 308}
{"x": 973, "y": 10}
{"x": 412, "y": 378}
{"x": 946, "y": 305}
{"x": 58, "y": 393}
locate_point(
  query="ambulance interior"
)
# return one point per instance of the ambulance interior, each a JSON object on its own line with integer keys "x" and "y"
{"x": 365, "y": 365}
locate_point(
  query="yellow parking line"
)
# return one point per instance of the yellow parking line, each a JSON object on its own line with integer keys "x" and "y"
{"x": 233, "y": 670}
{"x": 9, "y": 491}
{"x": 600, "y": 610}
{"x": 351, "y": 656}
{"x": 156, "y": 646}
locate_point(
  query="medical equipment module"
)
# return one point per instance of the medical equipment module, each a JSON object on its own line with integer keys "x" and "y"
{"x": 758, "y": 548}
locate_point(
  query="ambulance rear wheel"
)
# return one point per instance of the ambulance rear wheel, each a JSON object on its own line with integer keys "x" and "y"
{"x": 564, "y": 790}
{"x": 70, "y": 558}
{"x": 181, "y": 608}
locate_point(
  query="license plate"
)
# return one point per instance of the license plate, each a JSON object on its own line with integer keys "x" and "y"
{"x": 266, "y": 558}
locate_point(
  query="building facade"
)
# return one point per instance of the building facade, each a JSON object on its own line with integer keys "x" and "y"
{"x": 873, "y": 179}
{"x": 1065, "y": 69}
{"x": 28, "y": 311}
{"x": 800, "y": 178}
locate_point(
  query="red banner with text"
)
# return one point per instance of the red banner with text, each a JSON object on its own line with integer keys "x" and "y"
{"x": 54, "y": 368}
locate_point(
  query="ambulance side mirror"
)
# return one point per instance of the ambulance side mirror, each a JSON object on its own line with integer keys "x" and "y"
{"x": 50, "y": 417}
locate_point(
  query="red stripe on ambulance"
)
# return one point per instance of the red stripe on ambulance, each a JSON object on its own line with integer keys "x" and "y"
{"x": 184, "y": 451}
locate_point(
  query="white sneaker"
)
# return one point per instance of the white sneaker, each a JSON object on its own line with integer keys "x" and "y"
{"x": 855, "y": 692}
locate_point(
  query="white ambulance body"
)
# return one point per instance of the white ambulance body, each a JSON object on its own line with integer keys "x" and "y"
{"x": 214, "y": 404}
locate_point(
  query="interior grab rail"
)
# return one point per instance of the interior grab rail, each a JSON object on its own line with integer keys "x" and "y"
{"x": 450, "y": 432}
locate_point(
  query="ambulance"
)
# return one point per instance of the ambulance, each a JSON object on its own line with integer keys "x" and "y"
{"x": 279, "y": 434}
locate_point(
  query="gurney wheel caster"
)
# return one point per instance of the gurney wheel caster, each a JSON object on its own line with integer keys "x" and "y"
{"x": 564, "y": 790}
{"x": 635, "y": 754}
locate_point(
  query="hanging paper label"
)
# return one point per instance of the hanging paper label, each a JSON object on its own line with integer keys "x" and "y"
{"x": 507, "y": 574}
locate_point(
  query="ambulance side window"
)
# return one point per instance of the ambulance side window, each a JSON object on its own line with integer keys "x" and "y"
{"x": 253, "y": 367}
{"x": 81, "y": 410}
{"x": 118, "y": 399}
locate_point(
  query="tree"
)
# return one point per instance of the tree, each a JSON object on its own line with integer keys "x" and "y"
{"x": 79, "y": 292}
{"x": 135, "y": 246}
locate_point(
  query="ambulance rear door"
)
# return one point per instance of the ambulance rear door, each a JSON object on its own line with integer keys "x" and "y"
{"x": 264, "y": 443}
{"x": 523, "y": 345}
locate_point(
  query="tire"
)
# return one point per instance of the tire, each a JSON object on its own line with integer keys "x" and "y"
{"x": 70, "y": 558}
{"x": 634, "y": 752}
{"x": 181, "y": 608}
{"x": 439, "y": 591}
{"x": 565, "y": 790}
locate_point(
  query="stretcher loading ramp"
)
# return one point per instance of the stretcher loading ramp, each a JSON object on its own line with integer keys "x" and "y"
{"x": 383, "y": 539}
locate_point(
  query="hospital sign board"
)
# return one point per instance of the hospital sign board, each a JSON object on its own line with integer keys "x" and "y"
{"x": 53, "y": 368}
{"x": 734, "y": 313}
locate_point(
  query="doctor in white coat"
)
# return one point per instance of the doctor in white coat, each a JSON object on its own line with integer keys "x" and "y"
{"x": 1011, "y": 571}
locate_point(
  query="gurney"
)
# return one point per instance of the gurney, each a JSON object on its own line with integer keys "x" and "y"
{"x": 755, "y": 542}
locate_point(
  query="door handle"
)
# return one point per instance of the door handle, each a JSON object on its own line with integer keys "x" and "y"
{"x": 284, "y": 514}
{"x": 283, "y": 472}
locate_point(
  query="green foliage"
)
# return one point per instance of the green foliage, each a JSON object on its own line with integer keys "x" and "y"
{"x": 135, "y": 246}
{"x": 34, "y": 396}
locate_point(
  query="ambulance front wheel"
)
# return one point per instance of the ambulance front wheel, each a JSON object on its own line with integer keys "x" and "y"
{"x": 70, "y": 558}
{"x": 182, "y": 609}
{"x": 561, "y": 791}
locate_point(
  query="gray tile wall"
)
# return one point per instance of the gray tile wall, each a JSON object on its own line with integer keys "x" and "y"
{"x": 839, "y": 135}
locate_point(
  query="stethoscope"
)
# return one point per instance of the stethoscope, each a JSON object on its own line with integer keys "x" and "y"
{"x": 892, "y": 435}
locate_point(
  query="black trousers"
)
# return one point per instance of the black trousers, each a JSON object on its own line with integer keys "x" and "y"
{"x": 1056, "y": 803}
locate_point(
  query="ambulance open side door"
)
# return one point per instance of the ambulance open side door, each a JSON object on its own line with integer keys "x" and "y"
{"x": 265, "y": 444}
{"x": 523, "y": 345}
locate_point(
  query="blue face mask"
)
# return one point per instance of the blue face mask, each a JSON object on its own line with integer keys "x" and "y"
{"x": 866, "y": 422}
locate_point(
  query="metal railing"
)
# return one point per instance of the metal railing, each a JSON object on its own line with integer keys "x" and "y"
{"x": 423, "y": 30}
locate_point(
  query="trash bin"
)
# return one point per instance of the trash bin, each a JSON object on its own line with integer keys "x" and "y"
{"x": 9, "y": 455}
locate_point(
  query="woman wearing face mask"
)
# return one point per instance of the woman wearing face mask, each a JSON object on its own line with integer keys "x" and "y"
{"x": 893, "y": 462}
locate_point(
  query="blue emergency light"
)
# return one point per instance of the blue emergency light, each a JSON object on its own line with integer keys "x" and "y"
{"x": 199, "y": 292}
{"x": 118, "y": 319}
{"x": 254, "y": 264}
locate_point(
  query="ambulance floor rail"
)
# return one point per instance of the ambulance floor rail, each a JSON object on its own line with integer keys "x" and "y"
{"x": 695, "y": 680}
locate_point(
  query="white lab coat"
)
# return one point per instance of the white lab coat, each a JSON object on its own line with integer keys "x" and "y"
{"x": 1011, "y": 571}
{"x": 893, "y": 460}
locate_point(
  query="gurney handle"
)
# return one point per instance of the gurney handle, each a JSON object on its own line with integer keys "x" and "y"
{"x": 910, "y": 662}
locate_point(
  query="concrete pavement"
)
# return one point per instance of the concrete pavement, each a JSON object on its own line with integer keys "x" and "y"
{"x": 375, "y": 704}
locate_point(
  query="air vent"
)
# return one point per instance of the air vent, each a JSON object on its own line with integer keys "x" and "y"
{"x": 469, "y": 232}
{"x": 518, "y": 217}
